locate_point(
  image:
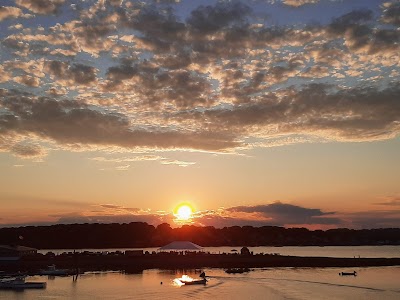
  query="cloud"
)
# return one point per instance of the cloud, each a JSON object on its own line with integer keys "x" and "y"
{"x": 4, "y": 75}
{"x": 69, "y": 122}
{"x": 21, "y": 146}
{"x": 360, "y": 35}
{"x": 273, "y": 214}
{"x": 41, "y": 6}
{"x": 276, "y": 214}
{"x": 391, "y": 13}
{"x": 350, "y": 20}
{"x": 209, "y": 19}
{"x": 128, "y": 159}
{"x": 181, "y": 88}
{"x": 28, "y": 150}
{"x": 373, "y": 219}
{"x": 28, "y": 80}
{"x": 71, "y": 75}
{"x": 211, "y": 78}
{"x": 356, "y": 114}
{"x": 298, "y": 3}
{"x": 287, "y": 214}
{"x": 177, "y": 162}
{"x": 160, "y": 159}
{"x": 113, "y": 214}
{"x": 365, "y": 113}
{"x": 390, "y": 201}
{"x": 9, "y": 12}
{"x": 119, "y": 208}
{"x": 122, "y": 167}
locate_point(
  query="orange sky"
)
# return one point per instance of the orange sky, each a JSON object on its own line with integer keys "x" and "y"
{"x": 255, "y": 112}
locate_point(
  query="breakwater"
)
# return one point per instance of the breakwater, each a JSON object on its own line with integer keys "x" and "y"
{"x": 120, "y": 261}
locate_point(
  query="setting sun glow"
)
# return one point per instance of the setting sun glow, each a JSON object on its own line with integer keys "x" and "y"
{"x": 183, "y": 212}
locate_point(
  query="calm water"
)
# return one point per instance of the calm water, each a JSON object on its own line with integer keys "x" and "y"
{"x": 277, "y": 283}
{"x": 271, "y": 283}
{"x": 330, "y": 251}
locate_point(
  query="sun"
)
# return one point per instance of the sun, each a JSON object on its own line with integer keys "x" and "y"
{"x": 183, "y": 212}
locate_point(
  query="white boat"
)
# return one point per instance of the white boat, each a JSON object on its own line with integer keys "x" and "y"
{"x": 191, "y": 282}
{"x": 20, "y": 283}
{"x": 53, "y": 271}
{"x": 187, "y": 280}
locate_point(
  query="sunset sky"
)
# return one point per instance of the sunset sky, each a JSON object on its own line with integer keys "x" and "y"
{"x": 260, "y": 112}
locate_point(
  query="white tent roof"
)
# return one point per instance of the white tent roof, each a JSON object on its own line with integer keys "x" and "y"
{"x": 181, "y": 245}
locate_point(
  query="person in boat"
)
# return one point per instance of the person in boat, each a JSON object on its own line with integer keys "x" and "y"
{"x": 203, "y": 275}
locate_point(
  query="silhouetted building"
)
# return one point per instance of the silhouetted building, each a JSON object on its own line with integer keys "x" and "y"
{"x": 245, "y": 251}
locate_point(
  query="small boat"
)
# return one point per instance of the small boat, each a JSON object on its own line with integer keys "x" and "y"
{"x": 237, "y": 270}
{"x": 5, "y": 275}
{"x": 53, "y": 271}
{"x": 20, "y": 283}
{"x": 192, "y": 282}
{"x": 354, "y": 273}
{"x": 187, "y": 280}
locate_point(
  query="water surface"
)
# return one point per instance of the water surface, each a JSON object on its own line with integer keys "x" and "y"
{"x": 274, "y": 283}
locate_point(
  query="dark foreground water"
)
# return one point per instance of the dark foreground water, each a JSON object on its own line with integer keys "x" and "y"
{"x": 277, "y": 283}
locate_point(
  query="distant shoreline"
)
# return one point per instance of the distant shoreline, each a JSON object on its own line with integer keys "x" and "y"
{"x": 189, "y": 261}
{"x": 142, "y": 235}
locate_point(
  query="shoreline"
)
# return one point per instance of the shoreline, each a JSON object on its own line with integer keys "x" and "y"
{"x": 188, "y": 261}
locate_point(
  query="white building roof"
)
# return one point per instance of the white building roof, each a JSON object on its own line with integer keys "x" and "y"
{"x": 17, "y": 248}
{"x": 181, "y": 245}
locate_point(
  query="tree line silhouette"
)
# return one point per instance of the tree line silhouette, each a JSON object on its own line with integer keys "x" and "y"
{"x": 141, "y": 235}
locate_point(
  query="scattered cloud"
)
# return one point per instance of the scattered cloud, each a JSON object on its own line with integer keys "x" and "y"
{"x": 28, "y": 150}
{"x": 390, "y": 201}
{"x": 9, "y": 12}
{"x": 122, "y": 167}
{"x": 391, "y": 13}
{"x": 149, "y": 76}
{"x": 177, "y": 162}
{"x": 273, "y": 214}
{"x": 160, "y": 159}
{"x": 285, "y": 214}
{"x": 127, "y": 159}
{"x": 373, "y": 219}
{"x": 297, "y": 3}
{"x": 41, "y": 6}
{"x": 119, "y": 208}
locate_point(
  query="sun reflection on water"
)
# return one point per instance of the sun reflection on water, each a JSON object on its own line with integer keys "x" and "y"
{"x": 178, "y": 281}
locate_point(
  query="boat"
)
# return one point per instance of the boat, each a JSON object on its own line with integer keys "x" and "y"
{"x": 187, "y": 280}
{"x": 53, "y": 271}
{"x": 237, "y": 270}
{"x": 6, "y": 275}
{"x": 354, "y": 273}
{"x": 20, "y": 283}
{"x": 192, "y": 282}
